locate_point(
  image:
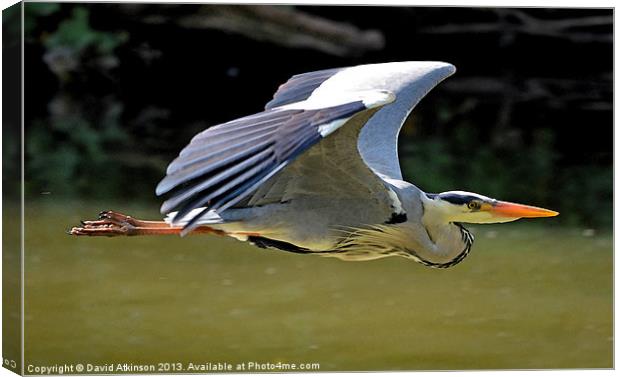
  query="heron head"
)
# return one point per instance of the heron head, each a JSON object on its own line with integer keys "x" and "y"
{"x": 469, "y": 207}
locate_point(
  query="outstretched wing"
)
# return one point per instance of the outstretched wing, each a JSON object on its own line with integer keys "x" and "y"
{"x": 275, "y": 155}
{"x": 410, "y": 82}
{"x": 225, "y": 163}
{"x": 358, "y": 160}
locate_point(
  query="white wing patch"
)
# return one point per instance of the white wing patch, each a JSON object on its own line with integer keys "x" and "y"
{"x": 396, "y": 203}
{"x": 327, "y": 129}
{"x": 370, "y": 99}
{"x": 210, "y": 217}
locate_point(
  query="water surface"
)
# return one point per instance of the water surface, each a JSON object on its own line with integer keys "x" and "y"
{"x": 528, "y": 296}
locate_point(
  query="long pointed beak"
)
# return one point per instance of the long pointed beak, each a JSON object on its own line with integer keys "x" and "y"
{"x": 507, "y": 209}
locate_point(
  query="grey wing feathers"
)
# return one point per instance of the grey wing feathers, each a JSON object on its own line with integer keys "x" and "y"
{"x": 225, "y": 163}
{"x": 300, "y": 87}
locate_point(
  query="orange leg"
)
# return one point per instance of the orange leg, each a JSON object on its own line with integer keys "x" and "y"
{"x": 111, "y": 224}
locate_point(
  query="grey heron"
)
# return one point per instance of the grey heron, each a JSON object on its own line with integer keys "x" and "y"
{"x": 317, "y": 172}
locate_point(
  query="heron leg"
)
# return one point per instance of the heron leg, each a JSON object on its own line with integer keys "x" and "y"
{"x": 112, "y": 224}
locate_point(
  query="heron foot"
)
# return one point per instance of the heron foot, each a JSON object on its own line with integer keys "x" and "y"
{"x": 118, "y": 218}
{"x": 109, "y": 224}
{"x": 112, "y": 224}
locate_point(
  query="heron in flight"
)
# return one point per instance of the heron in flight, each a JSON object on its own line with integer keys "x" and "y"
{"x": 317, "y": 172}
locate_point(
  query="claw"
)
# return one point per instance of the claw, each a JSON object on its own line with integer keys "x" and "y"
{"x": 75, "y": 231}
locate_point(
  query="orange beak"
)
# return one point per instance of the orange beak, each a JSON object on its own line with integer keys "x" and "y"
{"x": 507, "y": 209}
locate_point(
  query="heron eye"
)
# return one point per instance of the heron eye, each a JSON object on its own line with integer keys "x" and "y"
{"x": 473, "y": 205}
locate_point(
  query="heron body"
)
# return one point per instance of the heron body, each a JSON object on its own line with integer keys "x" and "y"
{"x": 317, "y": 172}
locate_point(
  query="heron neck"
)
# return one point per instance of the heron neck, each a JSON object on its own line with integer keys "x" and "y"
{"x": 449, "y": 242}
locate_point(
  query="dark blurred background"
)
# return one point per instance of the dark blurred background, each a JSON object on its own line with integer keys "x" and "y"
{"x": 114, "y": 91}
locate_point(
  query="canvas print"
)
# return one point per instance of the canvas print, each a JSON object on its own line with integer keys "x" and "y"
{"x": 244, "y": 188}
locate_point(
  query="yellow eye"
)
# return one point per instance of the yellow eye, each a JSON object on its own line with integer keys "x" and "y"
{"x": 474, "y": 205}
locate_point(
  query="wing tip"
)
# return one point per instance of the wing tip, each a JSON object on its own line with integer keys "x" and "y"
{"x": 448, "y": 68}
{"x": 163, "y": 186}
{"x": 442, "y": 68}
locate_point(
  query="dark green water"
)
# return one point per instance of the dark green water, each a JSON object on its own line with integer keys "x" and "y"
{"x": 528, "y": 296}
